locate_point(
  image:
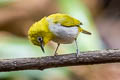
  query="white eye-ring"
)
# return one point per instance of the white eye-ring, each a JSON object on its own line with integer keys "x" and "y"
{"x": 39, "y": 39}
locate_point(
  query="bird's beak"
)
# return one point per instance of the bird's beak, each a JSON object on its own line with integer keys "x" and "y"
{"x": 42, "y": 47}
{"x": 41, "y": 43}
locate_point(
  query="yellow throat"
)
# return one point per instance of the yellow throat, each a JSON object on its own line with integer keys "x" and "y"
{"x": 40, "y": 29}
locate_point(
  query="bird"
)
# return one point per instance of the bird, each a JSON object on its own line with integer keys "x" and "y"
{"x": 60, "y": 28}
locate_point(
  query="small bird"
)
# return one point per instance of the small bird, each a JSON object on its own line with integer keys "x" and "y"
{"x": 60, "y": 28}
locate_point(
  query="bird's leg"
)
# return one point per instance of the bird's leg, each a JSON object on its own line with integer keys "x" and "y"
{"x": 56, "y": 49}
{"x": 77, "y": 50}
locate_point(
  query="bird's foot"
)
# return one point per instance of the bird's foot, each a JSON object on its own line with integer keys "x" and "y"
{"x": 55, "y": 54}
{"x": 77, "y": 53}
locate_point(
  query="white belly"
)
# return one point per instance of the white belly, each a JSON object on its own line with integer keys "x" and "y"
{"x": 63, "y": 34}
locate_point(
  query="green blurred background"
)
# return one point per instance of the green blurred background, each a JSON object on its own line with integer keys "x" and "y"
{"x": 16, "y": 16}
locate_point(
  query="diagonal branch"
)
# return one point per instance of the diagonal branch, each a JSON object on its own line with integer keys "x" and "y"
{"x": 85, "y": 58}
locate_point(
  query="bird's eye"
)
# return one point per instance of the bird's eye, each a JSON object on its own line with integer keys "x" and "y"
{"x": 39, "y": 39}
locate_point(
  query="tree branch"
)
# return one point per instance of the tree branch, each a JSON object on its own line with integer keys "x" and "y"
{"x": 85, "y": 58}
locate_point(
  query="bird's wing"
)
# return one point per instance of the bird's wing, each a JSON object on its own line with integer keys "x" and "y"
{"x": 65, "y": 20}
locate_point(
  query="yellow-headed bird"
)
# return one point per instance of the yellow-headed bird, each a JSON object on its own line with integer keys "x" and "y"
{"x": 60, "y": 28}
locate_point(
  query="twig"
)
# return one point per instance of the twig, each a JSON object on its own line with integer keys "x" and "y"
{"x": 85, "y": 58}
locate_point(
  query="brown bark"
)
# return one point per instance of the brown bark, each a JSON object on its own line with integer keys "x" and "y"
{"x": 85, "y": 58}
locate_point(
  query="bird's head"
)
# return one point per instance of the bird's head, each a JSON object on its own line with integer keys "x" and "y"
{"x": 39, "y": 33}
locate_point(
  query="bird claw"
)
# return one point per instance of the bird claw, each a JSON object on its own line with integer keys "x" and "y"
{"x": 77, "y": 53}
{"x": 55, "y": 54}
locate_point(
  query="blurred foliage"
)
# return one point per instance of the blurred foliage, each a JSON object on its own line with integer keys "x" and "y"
{"x": 5, "y": 2}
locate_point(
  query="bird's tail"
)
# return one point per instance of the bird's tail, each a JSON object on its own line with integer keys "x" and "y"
{"x": 85, "y": 32}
